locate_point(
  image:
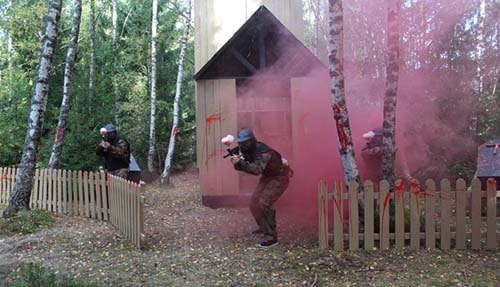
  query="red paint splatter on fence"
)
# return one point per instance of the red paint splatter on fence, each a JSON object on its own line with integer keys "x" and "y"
{"x": 492, "y": 184}
{"x": 400, "y": 191}
{"x": 208, "y": 125}
{"x": 5, "y": 176}
{"x": 386, "y": 203}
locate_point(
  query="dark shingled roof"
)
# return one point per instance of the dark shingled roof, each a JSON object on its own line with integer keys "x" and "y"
{"x": 263, "y": 42}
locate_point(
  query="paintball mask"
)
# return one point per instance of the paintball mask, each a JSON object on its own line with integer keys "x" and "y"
{"x": 110, "y": 132}
{"x": 247, "y": 141}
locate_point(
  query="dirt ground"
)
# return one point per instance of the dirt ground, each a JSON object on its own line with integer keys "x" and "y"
{"x": 188, "y": 244}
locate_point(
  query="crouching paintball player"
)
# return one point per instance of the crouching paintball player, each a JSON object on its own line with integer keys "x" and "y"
{"x": 258, "y": 159}
{"x": 115, "y": 150}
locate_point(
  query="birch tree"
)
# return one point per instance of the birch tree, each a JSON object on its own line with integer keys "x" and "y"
{"x": 10, "y": 53}
{"x": 67, "y": 86}
{"x": 20, "y": 196}
{"x": 91, "y": 54}
{"x": 390, "y": 99}
{"x": 478, "y": 81}
{"x": 154, "y": 37}
{"x": 337, "y": 89}
{"x": 116, "y": 92}
{"x": 165, "y": 176}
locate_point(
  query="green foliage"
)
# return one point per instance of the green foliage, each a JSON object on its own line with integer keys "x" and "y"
{"x": 30, "y": 275}
{"x": 25, "y": 222}
{"x": 26, "y": 23}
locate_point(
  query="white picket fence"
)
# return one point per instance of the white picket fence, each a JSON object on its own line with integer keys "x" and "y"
{"x": 89, "y": 194}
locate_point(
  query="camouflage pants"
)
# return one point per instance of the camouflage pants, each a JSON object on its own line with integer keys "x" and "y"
{"x": 268, "y": 191}
{"x": 122, "y": 172}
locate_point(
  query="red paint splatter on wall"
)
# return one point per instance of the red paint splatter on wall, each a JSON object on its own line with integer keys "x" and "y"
{"x": 211, "y": 119}
{"x": 174, "y": 132}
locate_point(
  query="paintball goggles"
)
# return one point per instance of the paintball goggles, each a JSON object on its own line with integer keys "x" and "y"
{"x": 228, "y": 141}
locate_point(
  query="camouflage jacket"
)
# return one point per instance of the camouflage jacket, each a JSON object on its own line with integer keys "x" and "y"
{"x": 117, "y": 155}
{"x": 263, "y": 161}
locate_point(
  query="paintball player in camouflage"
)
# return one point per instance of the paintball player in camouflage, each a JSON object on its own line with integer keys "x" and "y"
{"x": 115, "y": 150}
{"x": 258, "y": 159}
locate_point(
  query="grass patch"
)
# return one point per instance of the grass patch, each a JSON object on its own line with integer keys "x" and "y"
{"x": 25, "y": 222}
{"x": 34, "y": 275}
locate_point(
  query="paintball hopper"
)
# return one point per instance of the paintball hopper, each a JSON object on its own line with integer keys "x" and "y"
{"x": 228, "y": 140}
{"x": 368, "y": 135}
{"x": 102, "y": 131}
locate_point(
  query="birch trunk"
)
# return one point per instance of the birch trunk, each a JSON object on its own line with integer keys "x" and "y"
{"x": 165, "y": 176}
{"x": 67, "y": 86}
{"x": 92, "y": 55}
{"x": 151, "y": 153}
{"x": 10, "y": 53}
{"x": 478, "y": 81}
{"x": 339, "y": 107}
{"x": 115, "y": 61}
{"x": 20, "y": 196}
{"x": 390, "y": 98}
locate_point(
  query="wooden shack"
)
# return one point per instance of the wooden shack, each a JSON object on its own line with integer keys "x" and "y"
{"x": 264, "y": 78}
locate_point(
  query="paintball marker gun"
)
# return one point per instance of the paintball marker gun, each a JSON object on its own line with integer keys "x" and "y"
{"x": 228, "y": 140}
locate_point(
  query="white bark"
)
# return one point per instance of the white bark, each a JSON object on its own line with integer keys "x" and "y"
{"x": 67, "y": 86}
{"x": 337, "y": 87}
{"x": 20, "y": 196}
{"x": 478, "y": 81}
{"x": 116, "y": 92}
{"x": 165, "y": 176}
{"x": 151, "y": 153}
{"x": 92, "y": 55}
{"x": 10, "y": 53}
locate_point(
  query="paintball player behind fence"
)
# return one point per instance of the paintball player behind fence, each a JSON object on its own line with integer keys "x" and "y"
{"x": 115, "y": 150}
{"x": 258, "y": 159}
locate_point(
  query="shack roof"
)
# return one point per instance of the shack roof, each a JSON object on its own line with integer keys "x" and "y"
{"x": 262, "y": 43}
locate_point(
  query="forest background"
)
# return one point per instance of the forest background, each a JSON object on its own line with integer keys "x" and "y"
{"x": 468, "y": 49}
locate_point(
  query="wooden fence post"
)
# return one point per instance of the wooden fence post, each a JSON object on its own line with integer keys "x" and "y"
{"x": 430, "y": 201}
{"x": 338, "y": 216}
{"x": 445, "y": 214}
{"x": 476, "y": 214}
{"x": 353, "y": 194}
{"x": 460, "y": 214}
{"x": 491, "y": 193}
{"x": 384, "y": 202}
{"x": 369, "y": 215}
{"x": 323, "y": 214}
{"x": 399, "y": 213}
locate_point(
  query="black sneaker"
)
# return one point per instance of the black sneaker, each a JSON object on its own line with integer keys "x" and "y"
{"x": 268, "y": 243}
{"x": 258, "y": 231}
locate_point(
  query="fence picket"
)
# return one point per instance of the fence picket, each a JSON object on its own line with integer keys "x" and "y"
{"x": 9, "y": 186}
{"x": 92, "y": 204}
{"x": 338, "y": 217}
{"x": 76, "y": 198}
{"x": 59, "y": 191}
{"x": 64, "y": 191}
{"x": 415, "y": 215}
{"x": 34, "y": 192}
{"x": 460, "y": 214}
{"x": 430, "y": 201}
{"x": 399, "y": 193}
{"x": 476, "y": 214}
{"x": 105, "y": 192}
{"x": 98, "y": 207}
{"x": 353, "y": 216}
{"x": 445, "y": 214}
{"x": 384, "y": 202}
{"x": 81, "y": 201}
{"x": 323, "y": 214}
{"x": 491, "y": 193}
{"x": 369, "y": 215}
{"x": 2, "y": 193}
